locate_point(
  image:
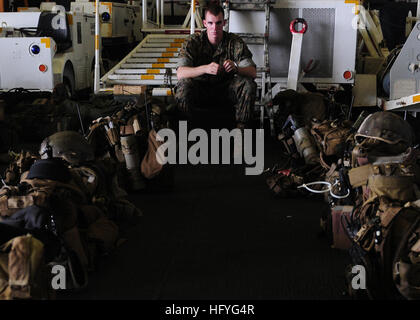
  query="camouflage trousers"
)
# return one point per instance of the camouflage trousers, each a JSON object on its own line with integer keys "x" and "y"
{"x": 240, "y": 92}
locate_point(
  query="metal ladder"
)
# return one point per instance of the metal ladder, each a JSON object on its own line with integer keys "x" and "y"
{"x": 152, "y": 63}
{"x": 264, "y": 101}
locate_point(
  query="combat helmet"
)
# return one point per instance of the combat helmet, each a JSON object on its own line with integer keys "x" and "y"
{"x": 70, "y": 146}
{"x": 387, "y": 127}
{"x": 382, "y": 134}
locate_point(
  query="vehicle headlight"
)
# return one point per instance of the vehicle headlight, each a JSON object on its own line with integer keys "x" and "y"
{"x": 34, "y": 49}
{"x": 106, "y": 17}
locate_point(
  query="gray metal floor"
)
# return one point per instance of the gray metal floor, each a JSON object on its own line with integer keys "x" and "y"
{"x": 221, "y": 235}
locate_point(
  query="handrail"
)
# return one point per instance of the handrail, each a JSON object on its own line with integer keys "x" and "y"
{"x": 158, "y": 13}
{"x": 97, "y": 69}
{"x": 418, "y": 9}
{"x": 144, "y": 13}
{"x": 192, "y": 17}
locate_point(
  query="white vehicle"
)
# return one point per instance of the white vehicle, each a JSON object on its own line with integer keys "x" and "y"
{"x": 42, "y": 49}
{"x": 118, "y": 20}
{"x": 120, "y": 28}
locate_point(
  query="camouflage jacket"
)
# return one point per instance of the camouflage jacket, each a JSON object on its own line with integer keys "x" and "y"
{"x": 198, "y": 51}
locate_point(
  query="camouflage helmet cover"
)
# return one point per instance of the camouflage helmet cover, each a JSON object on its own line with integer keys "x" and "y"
{"x": 387, "y": 127}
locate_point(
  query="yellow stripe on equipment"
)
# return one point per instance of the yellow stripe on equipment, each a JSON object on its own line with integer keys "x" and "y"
{"x": 47, "y": 42}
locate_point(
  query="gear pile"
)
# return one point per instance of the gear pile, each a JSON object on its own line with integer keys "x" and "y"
{"x": 62, "y": 209}
{"x": 368, "y": 173}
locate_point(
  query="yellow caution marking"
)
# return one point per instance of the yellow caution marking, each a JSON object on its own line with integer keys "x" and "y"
{"x": 416, "y": 98}
{"x": 166, "y": 54}
{"x": 158, "y": 65}
{"x": 47, "y": 42}
{"x": 109, "y": 5}
{"x": 176, "y": 45}
{"x": 171, "y": 49}
{"x": 356, "y": 5}
{"x": 20, "y": 9}
{"x": 162, "y": 60}
{"x": 168, "y": 92}
{"x": 179, "y": 40}
{"x": 96, "y": 42}
{"x": 153, "y": 71}
{"x": 147, "y": 77}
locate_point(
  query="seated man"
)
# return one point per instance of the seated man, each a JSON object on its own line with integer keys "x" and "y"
{"x": 216, "y": 65}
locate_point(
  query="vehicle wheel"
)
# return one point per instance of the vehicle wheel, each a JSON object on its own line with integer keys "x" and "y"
{"x": 69, "y": 93}
{"x": 92, "y": 74}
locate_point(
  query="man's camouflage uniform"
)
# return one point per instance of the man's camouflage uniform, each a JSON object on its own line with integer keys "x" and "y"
{"x": 216, "y": 89}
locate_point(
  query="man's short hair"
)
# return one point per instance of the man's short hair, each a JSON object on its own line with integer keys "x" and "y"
{"x": 215, "y": 9}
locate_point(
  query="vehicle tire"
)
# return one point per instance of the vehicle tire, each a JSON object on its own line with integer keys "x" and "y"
{"x": 69, "y": 91}
{"x": 69, "y": 80}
